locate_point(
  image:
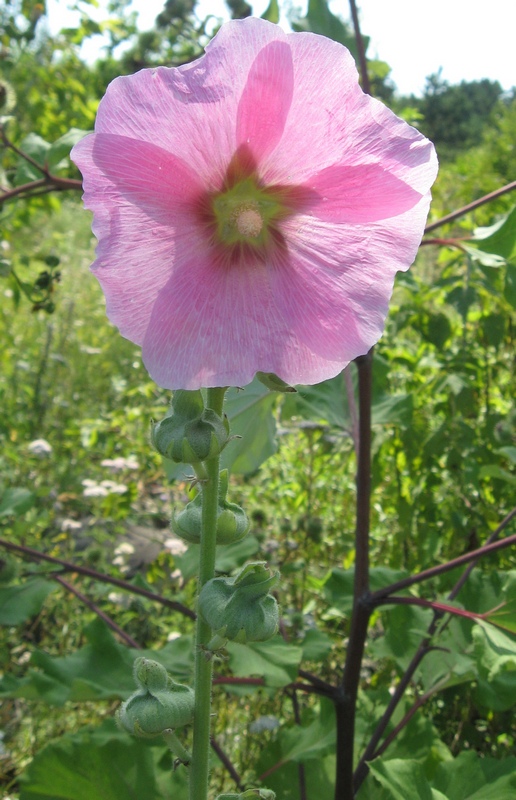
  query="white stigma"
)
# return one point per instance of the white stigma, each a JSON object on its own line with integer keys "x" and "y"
{"x": 248, "y": 221}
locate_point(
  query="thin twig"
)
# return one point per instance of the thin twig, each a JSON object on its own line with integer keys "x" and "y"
{"x": 382, "y": 594}
{"x": 460, "y": 212}
{"x": 91, "y": 605}
{"x": 99, "y": 576}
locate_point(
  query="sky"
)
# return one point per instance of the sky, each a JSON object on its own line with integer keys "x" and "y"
{"x": 467, "y": 39}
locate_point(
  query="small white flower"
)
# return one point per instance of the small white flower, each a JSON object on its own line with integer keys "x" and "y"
{"x": 69, "y": 525}
{"x": 175, "y": 547}
{"x": 125, "y": 548}
{"x": 114, "y": 488}
{"x": 173, "y": 635}
{"x": 40, "y": 448}
{"x": 118, "y": 464}
{"x": 95, "y": 491}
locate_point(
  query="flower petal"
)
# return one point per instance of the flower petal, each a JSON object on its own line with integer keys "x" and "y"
{"x": 266, "y": 99}
{"x": 191, "y": 110}
{"x": 358, "y": 194}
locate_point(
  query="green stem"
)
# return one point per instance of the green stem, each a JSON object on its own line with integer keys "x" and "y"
{"x": 203, "y": 666}
{"x": 176, "y": 747}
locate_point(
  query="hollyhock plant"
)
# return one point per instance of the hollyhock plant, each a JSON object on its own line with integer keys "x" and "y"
{"x": 252, "y": 209}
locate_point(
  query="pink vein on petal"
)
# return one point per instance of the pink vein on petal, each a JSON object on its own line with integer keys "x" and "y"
{"x": 362, "y": 193}
{"x": 266, "y": 99}
{"x": 143, "y": 172}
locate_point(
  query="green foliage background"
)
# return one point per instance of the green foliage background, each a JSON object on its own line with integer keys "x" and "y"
{"x": 443, "y": 473}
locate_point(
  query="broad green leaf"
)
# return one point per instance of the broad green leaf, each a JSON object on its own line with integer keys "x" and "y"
{"x": 276, "y": 661}
{"x": 101, "y": 670}
{"x": 313, "y": 741}
{"x": 319, "y": 19}
{"x": 16, "y": 501}
{"x": 471, "y": 777}
{"x": 316, "y": 645}
{"x": 495, "y": 471}
{"x": 37, "y": 148}
{"x": 405, "y": 627}
{"x": 60, "y": 149}
{"x": 228, "y": 557}
{"x": 19, "y": 603}
{"x": 319, "y": 775}
{"x": 250, "y": 414}
{"x": 84, "y": 766}
{"x": 496, "y": 656}
{"x": 338, "y": 589}
{"x": 403, "y": 778}
{"x": 499, "y": 238}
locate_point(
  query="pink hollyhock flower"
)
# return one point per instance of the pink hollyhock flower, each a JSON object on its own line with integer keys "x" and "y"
{"x": 252, "y": 209}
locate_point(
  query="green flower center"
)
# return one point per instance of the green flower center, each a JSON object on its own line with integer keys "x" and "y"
{"x": 245, "y": 212}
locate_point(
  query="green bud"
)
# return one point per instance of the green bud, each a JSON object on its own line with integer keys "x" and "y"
{"x": 241, "y": 608}
{"x": 232, "y": 521}
{"x": 190, "y": 433}
{"x": 158, "y": 705}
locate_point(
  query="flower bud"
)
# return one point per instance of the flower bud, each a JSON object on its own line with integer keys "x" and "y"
{"x": 232, "y": 521}
{"x": 158, "y": 705}
{"x": 241, "y": 608}
{"x": 190, "y": 433}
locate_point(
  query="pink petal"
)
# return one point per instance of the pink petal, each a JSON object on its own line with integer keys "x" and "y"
{"x": 364, "y": 193}
{"x": 191, "y": 110}
{"x": 141, "y": 199}
{"x": 332, "y": 122}
{"x": 144, "y": 173}
{"x": 266, "y": 99}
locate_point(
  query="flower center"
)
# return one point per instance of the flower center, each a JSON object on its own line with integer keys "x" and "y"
{"x": 245, "y": 212}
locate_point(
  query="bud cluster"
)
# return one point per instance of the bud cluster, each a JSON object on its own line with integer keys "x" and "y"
{"x": 190, "y": 433}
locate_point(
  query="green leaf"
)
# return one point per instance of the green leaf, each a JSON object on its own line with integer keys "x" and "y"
{"x": 496, "y": 656}
{"x": 37, "y": 148}
{"x": 403, "y": 778}
{"x": 316, "y": 645}
{"x": 338, "y": 588}
{"x": 275, "y": 661}
{"x": 101, "y": 670}
{"x": 272, "y": 12}
{"x": 19, "y": 603}
{"x": 251, "y": 418}
{"x": 471, "y": 777}
{"x": 228, "y": 557}
{"x": 250, "y": 414}
{"x": 314, "y": 741}
{"x": 499, "y": 238}
{"x": 16, "y": 501}
{"x": 87, "y": 765}
{"x": 60, "y": 149}
{"x": 319, "y": 19}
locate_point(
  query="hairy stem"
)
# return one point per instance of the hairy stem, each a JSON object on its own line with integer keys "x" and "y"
{"x": 203, "y": 665}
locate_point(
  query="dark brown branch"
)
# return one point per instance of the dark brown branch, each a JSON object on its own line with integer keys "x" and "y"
{"x": 509, "y": 187}
{"x": 91, "y": 605}
{"x": 98, "y": 576}
{"x": 346, "y": 698}
{"x": 362, "y": 60}
{"x": 224, "y": 758}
